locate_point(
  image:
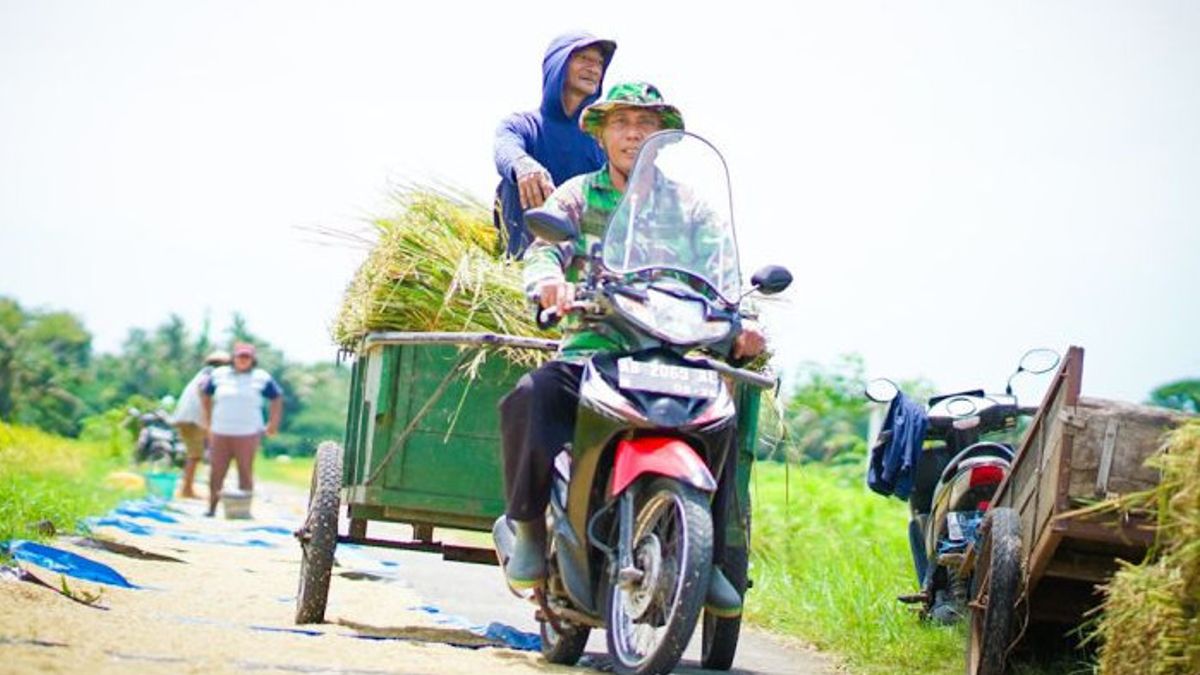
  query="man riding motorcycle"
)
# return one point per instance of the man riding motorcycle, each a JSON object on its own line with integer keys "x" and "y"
{"x": 538, "y": 416}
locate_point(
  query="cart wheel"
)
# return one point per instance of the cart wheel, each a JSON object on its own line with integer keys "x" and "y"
{"x": 318, "y": 538}
{"x": 566, "y": 647}
{"x": 996, "y": 589}
{"x": 720, "y": 636}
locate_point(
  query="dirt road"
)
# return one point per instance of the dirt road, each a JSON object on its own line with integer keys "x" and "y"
{"x": 225, "y": 604}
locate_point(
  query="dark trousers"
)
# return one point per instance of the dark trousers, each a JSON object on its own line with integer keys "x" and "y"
{"x": 537, "y": 418}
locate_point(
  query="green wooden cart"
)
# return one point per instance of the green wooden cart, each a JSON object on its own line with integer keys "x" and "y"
{"x": 422, "y": 447}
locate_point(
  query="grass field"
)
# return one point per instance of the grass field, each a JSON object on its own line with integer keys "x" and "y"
{"x": 295, "y": 471}
{"x": 48, "y": 479}
{"x": 829, "y": 559}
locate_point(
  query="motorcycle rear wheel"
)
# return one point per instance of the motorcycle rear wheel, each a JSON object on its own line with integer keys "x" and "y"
{"x": 566, "y": 647}
{"x": 649, "y": 625}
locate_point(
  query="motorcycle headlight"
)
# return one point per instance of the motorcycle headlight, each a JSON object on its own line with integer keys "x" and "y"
{"x": 677, "y": 320}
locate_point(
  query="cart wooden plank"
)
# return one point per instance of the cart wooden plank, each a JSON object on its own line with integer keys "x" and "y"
{"x": 1077, "y": 451}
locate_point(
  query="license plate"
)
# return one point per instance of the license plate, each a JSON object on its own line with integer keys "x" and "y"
{"x": 665, "y": 378}
{"x": 963, "y": 525}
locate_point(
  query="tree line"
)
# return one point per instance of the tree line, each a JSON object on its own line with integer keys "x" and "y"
{"x": 51, "y": 378}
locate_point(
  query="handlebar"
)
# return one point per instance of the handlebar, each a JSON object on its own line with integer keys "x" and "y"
{"x": 760, "y": 380}
{"x": 550, "y": 316}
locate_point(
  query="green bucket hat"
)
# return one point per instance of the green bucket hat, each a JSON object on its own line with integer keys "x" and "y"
{"x": 629, "y": 95}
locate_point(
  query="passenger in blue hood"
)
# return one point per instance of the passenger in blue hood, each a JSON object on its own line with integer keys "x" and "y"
{"x": 540, "y": 149}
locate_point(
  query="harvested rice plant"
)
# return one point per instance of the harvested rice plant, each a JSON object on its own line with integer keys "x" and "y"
{"x": 435, "y": 266}
{"x": 1151, "y": 620}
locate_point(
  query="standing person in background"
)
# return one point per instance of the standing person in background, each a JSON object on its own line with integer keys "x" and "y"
{"x": 232, "y": 398}
{"x": 543, "y": 148}
{"x": 189, "y": 421}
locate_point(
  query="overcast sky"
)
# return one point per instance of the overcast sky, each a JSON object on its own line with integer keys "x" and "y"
{"x": 951, "y": 182}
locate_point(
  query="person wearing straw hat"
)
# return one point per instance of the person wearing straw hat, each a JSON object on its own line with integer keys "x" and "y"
{"x": 537, "y": 417}
{"x": 189, "y": 421}
{"x": 232, "y": 398}
{"x": 538, "y": 149}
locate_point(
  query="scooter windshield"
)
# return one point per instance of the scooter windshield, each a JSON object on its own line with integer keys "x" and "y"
{"x": 676, "y": 215}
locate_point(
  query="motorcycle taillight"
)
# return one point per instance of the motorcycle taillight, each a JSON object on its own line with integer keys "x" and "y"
{"x": 986, "y": 475}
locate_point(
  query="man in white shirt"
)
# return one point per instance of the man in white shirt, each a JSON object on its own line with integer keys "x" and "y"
{"x": 189, "y": 421}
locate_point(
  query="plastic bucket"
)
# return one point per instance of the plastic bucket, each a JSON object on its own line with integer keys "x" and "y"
{"x": 161, "y": 484}
{"x": 236, "y": 504}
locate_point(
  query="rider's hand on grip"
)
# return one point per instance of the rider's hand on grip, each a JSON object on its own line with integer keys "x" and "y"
{"x": 546, "y": 318}
{"x": 554, "y": 300}
{"x": 750, "y": 342}
{"x": 556, "y": 293}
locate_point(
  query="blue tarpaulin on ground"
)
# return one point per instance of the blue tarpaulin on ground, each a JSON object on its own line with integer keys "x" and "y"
{"x": 495, "y": 630}
{"x": 270, "y": 529}
{"x": 130, "y": 516}
{"x": 152, "y": 509}
{"x": 231, "y": 540}
{"x": 65, "y": 562}
{"x": 512, "y": 637}
{"x": 127, "y": 524}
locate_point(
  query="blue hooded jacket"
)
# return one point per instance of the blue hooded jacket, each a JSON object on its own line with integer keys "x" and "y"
{"x": 547, "y": 135}
{"x": 894, "y": 457}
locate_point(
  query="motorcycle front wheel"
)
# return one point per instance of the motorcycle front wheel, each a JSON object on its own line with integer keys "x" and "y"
{"x": 652, "y": 610}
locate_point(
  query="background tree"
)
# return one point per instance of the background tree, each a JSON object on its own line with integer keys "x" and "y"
{"x": 50, "y": 379}
{"x": 1179, "y": 395}
{"x": 44, "y": 357}
{"x": 827, "y": 416}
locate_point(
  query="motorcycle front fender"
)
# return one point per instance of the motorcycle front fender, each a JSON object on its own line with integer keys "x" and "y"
{"x": 659, "y": 455}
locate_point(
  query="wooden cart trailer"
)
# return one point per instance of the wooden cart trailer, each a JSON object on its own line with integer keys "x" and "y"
{"x": 1040, "y": 558}
{"x": 422, "y": 448}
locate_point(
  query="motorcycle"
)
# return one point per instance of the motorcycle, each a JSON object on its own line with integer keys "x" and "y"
{"x": 630, "y": 545}
{"x": 959, "y": 456}
{"x": 157, "y": 441}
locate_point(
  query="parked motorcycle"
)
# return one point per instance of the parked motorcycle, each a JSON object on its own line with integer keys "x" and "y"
{"x": 631, "y": 532}
{"x": 157, "y": 440}
{"x": 957, "y": 454}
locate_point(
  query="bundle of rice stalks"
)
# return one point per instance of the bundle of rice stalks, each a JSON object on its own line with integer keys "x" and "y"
{"x": 1151, "y": 619}
{"x": 435, "y": 268}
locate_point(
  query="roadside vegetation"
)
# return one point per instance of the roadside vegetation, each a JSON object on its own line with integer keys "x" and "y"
{"x": 829, "y": 558}
{"x": 294, "y": 471}
{"x": 48, "y": 483}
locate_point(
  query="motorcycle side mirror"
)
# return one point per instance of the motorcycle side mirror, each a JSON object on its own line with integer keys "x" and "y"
{"x": 1036, "y": 361}
{"x": 771, "y": 279}
{"x": 550, "y": 226}
{"x": 881, "y": 390}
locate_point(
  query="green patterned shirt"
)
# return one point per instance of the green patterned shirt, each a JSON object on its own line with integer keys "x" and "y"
{"x": 588, "y": 200}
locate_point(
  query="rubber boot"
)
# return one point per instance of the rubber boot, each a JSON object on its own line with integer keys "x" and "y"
{"x": 526, "y": 568}
{"x": 722, "y": 599}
